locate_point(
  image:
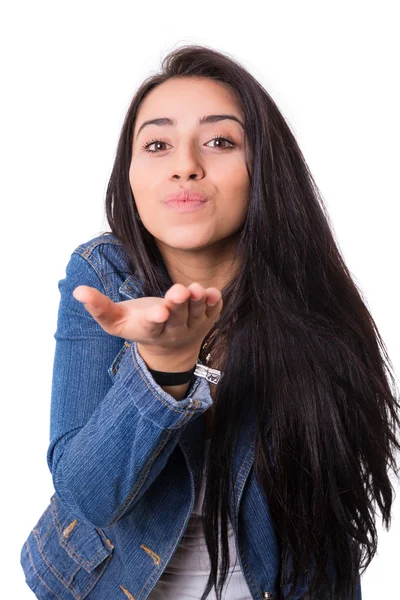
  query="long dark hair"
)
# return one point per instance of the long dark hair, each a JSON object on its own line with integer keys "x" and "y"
{"x": 320, "y": 373}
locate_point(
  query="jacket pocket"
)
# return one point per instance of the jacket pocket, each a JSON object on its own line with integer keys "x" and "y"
{"x": 63, "y": 557}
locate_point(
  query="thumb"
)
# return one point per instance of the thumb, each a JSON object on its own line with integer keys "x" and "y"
{"x": 102, "y": 308}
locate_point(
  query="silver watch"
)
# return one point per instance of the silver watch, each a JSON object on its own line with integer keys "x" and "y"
{"x": 212, "y": 375}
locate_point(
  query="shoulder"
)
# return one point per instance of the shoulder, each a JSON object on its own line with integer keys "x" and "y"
{"x": 102, "y": 259}
{"x": 107, "y": 251}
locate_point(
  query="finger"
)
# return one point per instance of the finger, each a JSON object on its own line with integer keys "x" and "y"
{"x": 197, "y": 303}
{"x": 107, "y": 313}
{"x": 214, "y": 302}
{"x": 155, "y": 320}
{"x": 177, "y": 303}
{"x": 213, "y": 295}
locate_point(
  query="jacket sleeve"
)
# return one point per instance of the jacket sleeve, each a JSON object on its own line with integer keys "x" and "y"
{"x": 112, "y": 428}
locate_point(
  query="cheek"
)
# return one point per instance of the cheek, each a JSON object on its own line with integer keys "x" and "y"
{"x": 141, "y": 188}
{"x": 234, "y": 210}
{"x": 237, "y": 190}
{"x": 232, "y": 174}
{"x": 132, "y": 179}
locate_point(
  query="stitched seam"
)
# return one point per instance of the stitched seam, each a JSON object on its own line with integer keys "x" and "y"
{"x": 252, "y": 576}
{"x": 130, "y": 290}
{"x": 37, "y": 574}
{"x": 87, "y": 254}
{"x": 138, "y": 485}
{"x": 116, "y": 362}
{"x": 238, "y": 476}
{"x": 96, "y": 266}
{"x": 153, "y": 555}
{"x": 102, "y": 240}
{"x": 69, "y": 549}
{"x": 48, "y": 531}
{"x": 127, "y": 593}
{"x": 145, "y": 585}
{"x": 118, "y": 272}
{"x": 52, "y": 567}
{"x": 132, "y": 494}
{"x": 147, "y": 580}
{"x": 104, "y": 538}
{"x": 235, "y": 513}
{"x": 77, "y": 594}
{"x": 92, "y": 582}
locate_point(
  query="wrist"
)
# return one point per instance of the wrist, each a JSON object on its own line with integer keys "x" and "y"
{"x": 167, "y": 360}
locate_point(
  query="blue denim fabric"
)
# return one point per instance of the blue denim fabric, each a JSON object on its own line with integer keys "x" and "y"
{"x": 126, "y": 460}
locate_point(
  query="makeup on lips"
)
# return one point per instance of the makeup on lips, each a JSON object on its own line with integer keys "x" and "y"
{"x": 185, "y": 201}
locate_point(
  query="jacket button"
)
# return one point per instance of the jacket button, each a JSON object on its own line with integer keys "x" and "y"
{"x": 268, "y": 595}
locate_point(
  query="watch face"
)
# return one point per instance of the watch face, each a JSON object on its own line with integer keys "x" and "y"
{"x": 212, "y": 375}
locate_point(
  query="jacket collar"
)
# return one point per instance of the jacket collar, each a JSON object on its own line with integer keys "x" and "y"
{"x": 132, "y": 287}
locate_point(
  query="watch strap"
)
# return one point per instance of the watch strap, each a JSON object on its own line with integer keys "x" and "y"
{"x": 167, "y": 378}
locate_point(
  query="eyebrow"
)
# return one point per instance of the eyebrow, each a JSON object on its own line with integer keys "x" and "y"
{"x": 162, "y": 121}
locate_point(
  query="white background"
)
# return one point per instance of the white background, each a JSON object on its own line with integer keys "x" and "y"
{"x": 69, "y": 70}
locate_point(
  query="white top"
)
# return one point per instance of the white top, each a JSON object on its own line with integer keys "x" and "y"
{"x": 186, "y": 575}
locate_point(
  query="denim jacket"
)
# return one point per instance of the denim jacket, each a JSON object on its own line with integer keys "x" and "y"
{"x": 126, "y": 460}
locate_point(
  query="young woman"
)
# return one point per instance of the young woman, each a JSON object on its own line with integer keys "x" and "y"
{"x": 223, "y": 413}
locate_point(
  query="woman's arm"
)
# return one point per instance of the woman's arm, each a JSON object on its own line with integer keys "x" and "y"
{"x": 112, "y": 428}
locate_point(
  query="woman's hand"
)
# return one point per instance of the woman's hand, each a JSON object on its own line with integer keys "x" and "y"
{"x": 179, "y": 321}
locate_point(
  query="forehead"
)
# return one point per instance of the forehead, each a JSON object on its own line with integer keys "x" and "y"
{"x": 187, "y": 99}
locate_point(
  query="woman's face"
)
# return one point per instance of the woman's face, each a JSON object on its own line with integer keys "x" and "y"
{"x": 187, "y": 158}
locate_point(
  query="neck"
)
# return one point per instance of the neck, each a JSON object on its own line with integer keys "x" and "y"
{"x": 211, "y": 267}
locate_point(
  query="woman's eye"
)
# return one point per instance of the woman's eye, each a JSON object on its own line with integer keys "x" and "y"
{"x": 220, "y": 139}
{"x": 147, "y": 146}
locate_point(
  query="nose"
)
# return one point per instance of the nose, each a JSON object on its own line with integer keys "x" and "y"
{"x": 188, "y": 174}
{"x": 187, "y": 165}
